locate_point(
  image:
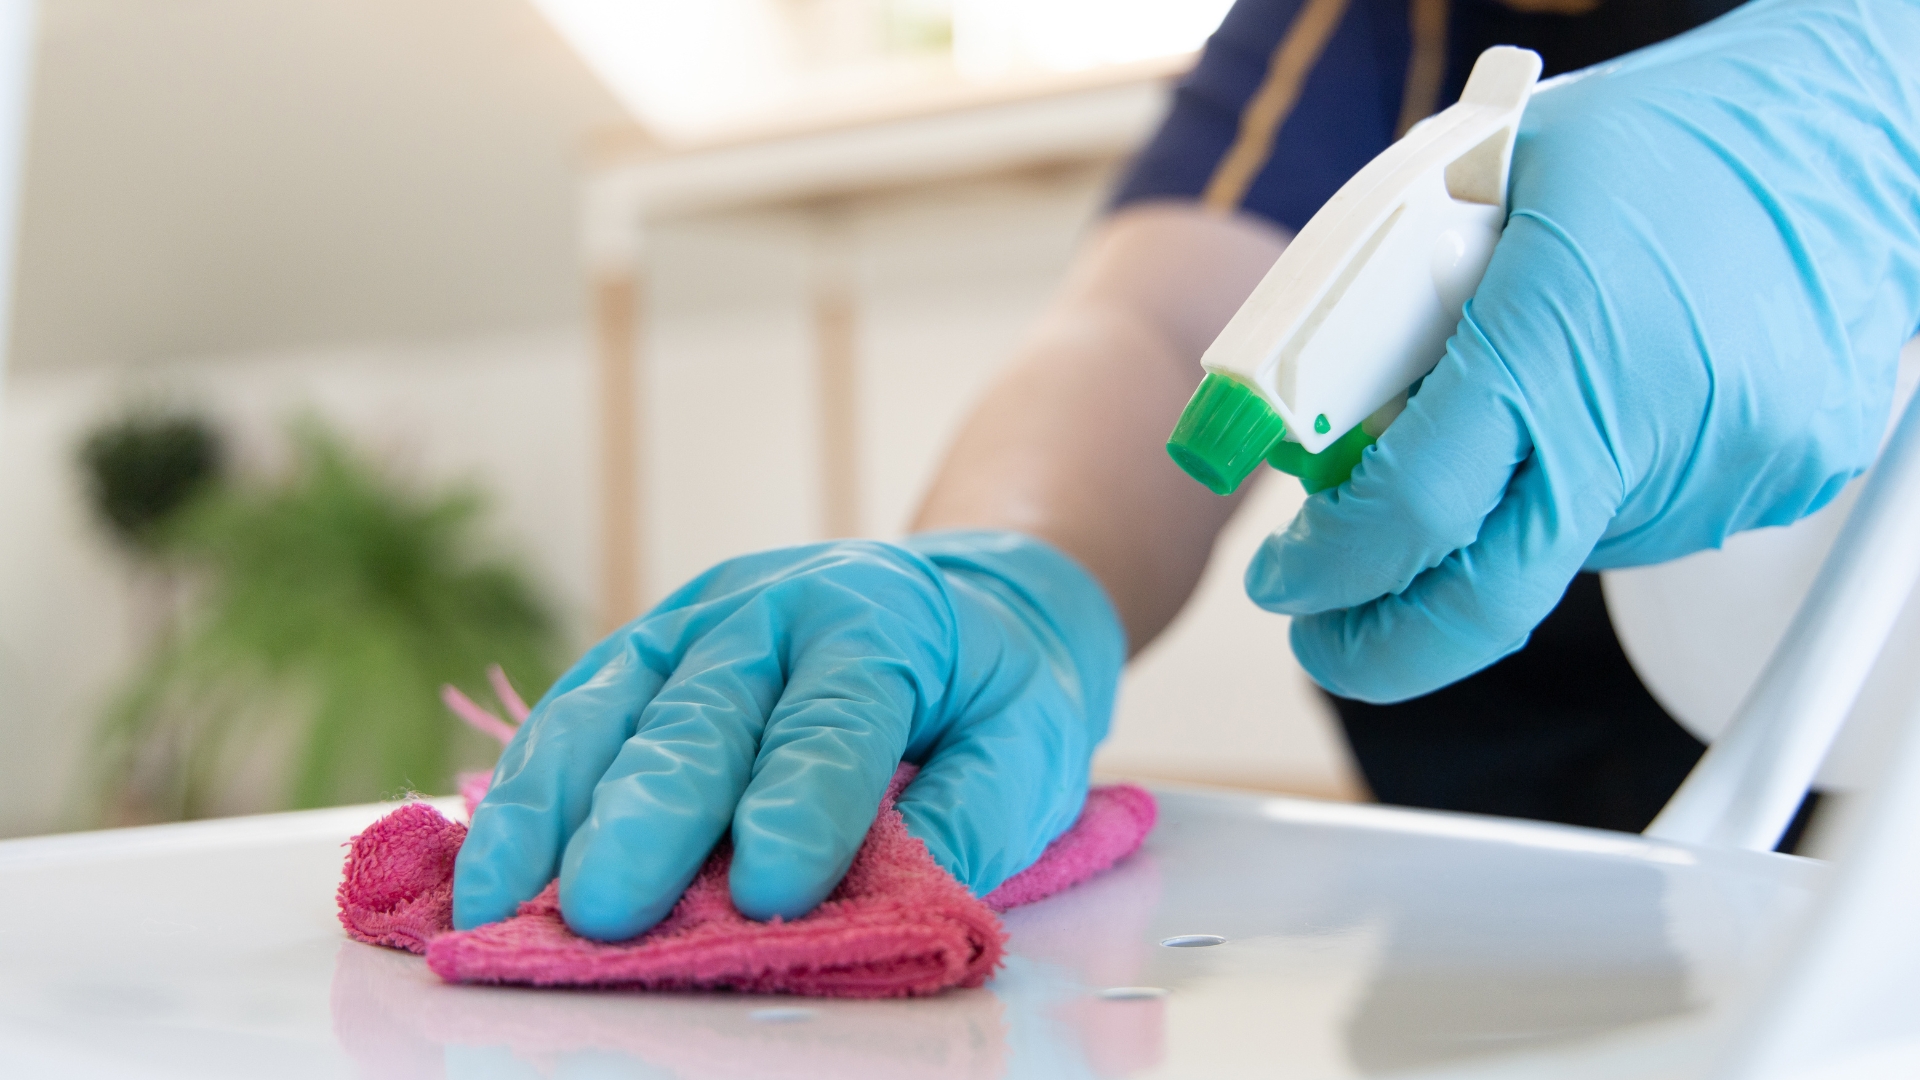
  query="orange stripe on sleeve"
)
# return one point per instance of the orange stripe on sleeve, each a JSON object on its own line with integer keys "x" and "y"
{"x": 1426, "y": 62}
{"x": 1299, "y": 50}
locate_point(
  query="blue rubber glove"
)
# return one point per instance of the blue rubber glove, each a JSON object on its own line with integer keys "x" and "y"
{"x": 1689, "y": 328}
{"x": 774, "y": 696}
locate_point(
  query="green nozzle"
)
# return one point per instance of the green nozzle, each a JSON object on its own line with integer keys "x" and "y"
{"x": 1224, "y": 433}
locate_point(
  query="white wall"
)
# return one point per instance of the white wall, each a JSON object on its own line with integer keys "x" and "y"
{"x": 218, "y": 177}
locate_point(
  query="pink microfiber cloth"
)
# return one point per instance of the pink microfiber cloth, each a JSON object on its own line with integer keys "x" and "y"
{"x": 897, "y": 925}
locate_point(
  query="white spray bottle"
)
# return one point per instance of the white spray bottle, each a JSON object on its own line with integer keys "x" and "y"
{"x": 1318, "y": 361}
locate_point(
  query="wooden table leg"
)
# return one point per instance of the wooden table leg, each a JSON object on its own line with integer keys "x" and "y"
{"x": 836, "y": 371}
{"x": 621, "y": 391}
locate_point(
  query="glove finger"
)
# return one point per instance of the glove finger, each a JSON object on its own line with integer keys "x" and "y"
{"x": 1419, "y": 494}
{"x": 825, "y": 759}
{"x": 690, "y": 613}
{"x": 1478, "y": 605}
{"x": 665, "y": 799}
{"x": 993, "y": 795}
{"x": 670, "y": 793}
{"x": 872, "y": 673}
{"x": 542, "y": 785}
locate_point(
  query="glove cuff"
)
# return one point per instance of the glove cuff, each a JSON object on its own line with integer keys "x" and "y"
{"x": 1063, "y": 595}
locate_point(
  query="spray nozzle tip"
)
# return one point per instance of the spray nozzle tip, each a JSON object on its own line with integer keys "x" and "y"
{"x": 1224, "y": 433}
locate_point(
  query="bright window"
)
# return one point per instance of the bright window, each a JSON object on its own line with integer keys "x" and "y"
{"x": 688, "y": 68}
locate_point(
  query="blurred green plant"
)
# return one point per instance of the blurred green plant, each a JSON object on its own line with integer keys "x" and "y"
{"x": 145, "y": 466}
{"x": 917, "y": 26}
{"x": 330, "y": 608}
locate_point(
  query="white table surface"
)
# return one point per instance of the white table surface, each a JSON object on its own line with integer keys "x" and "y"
{"x": 1361, "y": 941}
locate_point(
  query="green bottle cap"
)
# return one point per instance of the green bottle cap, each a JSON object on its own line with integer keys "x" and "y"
{"x": 1224, "y": 433}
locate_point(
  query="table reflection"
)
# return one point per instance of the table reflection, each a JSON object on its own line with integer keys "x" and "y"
{"x": 397, "y": 1019}
{"x": 1040, "y": 1017}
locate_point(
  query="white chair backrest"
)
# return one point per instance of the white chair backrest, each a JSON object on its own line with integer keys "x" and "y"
{"x": 1744, "y": 791}
{"x": 1843, "y": 996}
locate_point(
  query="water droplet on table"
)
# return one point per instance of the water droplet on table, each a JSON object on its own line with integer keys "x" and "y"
{"x": 1132, "y": 993}
{"x": 1193, "y": 941}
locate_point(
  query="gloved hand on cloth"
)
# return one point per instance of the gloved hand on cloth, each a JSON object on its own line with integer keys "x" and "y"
{"x": 772, "y": 698}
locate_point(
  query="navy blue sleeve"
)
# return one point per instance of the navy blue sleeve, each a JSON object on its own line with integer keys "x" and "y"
{"x": 1346, "y": 103}
{"x": 1292, "y": 97}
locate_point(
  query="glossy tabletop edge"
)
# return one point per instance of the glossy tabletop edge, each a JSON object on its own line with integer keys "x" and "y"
{"x": 208, "y": 834}
{"x": 344, "y": 821}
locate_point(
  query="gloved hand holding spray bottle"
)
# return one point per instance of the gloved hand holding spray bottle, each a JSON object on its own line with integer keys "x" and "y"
{"x": 1690, "y": 327}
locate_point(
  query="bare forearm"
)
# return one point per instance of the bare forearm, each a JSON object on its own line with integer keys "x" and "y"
{"x": 1069, "y": 444}
{"x": 1068, "y": 447}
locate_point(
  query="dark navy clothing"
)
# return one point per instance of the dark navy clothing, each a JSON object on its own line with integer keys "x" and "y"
{"x": 1561, "y": 730}
{"x": 1350, "y": 104}
{"x": 1346, "y": 112}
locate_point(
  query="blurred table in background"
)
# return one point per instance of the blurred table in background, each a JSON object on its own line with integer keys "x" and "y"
{"x": 826, "y": 169}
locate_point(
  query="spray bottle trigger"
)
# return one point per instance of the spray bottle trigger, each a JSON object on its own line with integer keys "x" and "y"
{"x": 1328, "y": 468}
